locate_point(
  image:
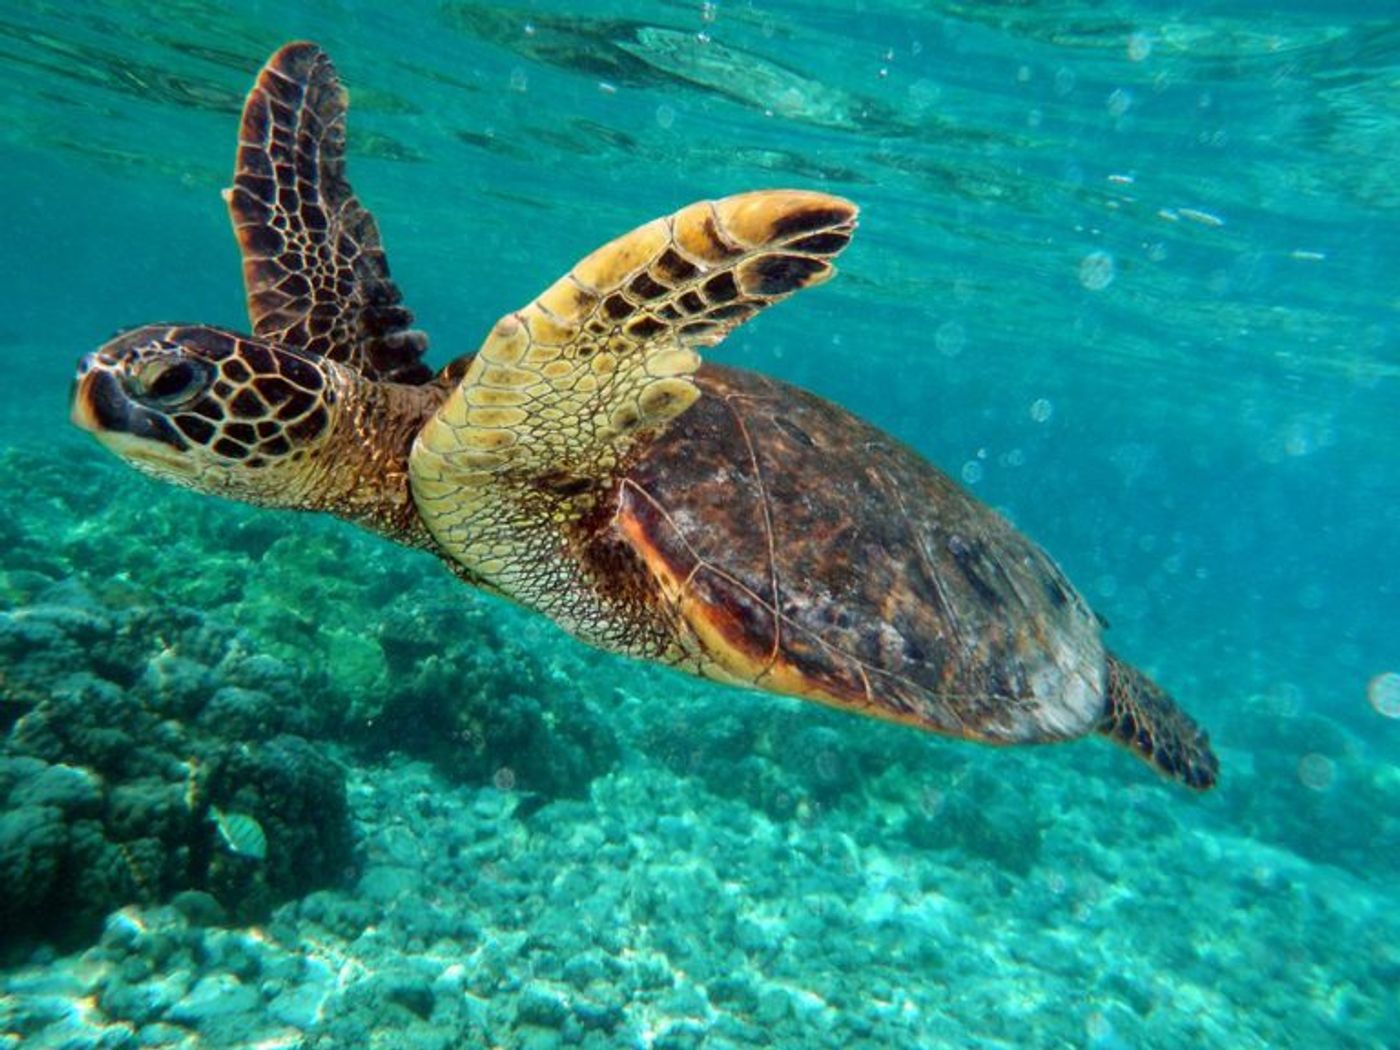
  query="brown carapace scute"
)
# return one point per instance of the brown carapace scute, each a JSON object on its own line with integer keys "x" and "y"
{"x": 586, "y": 463}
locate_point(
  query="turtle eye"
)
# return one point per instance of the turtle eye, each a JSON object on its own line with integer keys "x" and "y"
{"x": 170, "y": 382}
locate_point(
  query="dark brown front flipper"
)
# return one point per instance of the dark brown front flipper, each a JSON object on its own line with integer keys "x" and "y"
{"x": 1144, "y": 719}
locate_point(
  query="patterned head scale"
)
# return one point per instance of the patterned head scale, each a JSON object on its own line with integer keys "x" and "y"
{"x": 208, "y": 409}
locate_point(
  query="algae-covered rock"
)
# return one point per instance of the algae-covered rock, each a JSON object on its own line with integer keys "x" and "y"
{"x": 296, "y": 794}
{"x": 465, "y": 691}
{"x": 243, "y": 714}
{"x": 120, "y": 715}
{"x": 983, "y": 819}
{"x": 154, "y": 678}
{"x": 33, "y": 843}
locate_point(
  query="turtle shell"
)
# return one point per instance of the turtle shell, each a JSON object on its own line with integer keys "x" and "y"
{"x": 799, "y": 550}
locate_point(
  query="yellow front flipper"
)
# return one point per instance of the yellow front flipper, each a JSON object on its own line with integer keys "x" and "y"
{"x": 561, "y": 388}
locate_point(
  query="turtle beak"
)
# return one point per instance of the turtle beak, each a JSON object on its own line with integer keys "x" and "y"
{"x": 96, "y": 403}
{"x": 100, "y": 406}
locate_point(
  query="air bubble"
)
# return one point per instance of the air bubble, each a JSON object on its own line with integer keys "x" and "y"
{"x": 950, "y": 339}
{"x": 972, "y": 472}
{"x": 1042, "y": 410}
{"x": 1316, "y": 771}
{"x": 519, "y": 80}
{"x": 1384, "y": 694}
{"x": 1096, "y": 271}
{"x": 1119, "y": 102}
{"x": 504, "y": 779}
{"x": 1139, "y": 47}
{"x": 665, "y": 116}
{"x": 1100, "y": 1030}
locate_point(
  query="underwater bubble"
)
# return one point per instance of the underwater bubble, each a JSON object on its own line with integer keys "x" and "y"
{"x": 1297, "y": 441}
{"x": 1097, "y": 1026}
{"x": 1119, "y": 102}
{"x": 972, "y": 472}
{"x": 1384, "y": 694}
{"x": 519, "y": 80}
{"x": 504, "y": 779}
{"x": 708, "y": 12}
{"x": 1139, "y": 46}
{"x": 950, "y": 339}
{"x": 665, "y": 116}
{"x": 1096, "y": 271}
{"x": 1042, "y": 409}
{"x": 1316, "y": 771}
{"x": 1064, "y": 81}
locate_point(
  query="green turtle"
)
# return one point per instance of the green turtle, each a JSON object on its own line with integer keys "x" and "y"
{"x": 586, "y": 463}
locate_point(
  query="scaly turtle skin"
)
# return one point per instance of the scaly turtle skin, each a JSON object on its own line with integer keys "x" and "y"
{"x": 588, "y": 465}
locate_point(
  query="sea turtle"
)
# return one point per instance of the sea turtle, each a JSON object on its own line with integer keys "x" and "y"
{"x": 585, "y": 462}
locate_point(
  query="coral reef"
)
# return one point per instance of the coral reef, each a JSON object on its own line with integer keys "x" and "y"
{"x": 656, "y": 913}
{"x": 167, "y": 718}
{"x": 453, "y": 827}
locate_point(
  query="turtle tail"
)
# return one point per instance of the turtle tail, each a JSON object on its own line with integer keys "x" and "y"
{"x": 1148, "y": 722}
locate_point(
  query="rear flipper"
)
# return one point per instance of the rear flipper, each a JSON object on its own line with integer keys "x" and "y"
{"x": 1144, "y": 719}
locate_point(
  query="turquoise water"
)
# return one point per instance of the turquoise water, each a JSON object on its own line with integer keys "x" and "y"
{"x": 1128, "y": 270}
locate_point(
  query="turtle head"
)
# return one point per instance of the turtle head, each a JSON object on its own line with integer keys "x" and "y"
{"x": 210, "y": 410}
